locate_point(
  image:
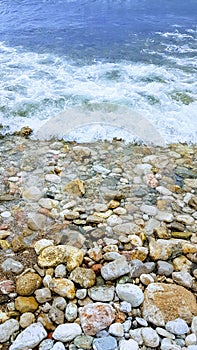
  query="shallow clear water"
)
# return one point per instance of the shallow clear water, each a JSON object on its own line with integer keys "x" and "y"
{"x": 60, "y": 54}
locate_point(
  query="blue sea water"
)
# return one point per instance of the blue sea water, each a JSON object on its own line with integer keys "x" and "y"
{"x": 57, "y": 55}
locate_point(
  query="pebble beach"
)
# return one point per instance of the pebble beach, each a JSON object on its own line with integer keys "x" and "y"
{"x": 98, "y": 245}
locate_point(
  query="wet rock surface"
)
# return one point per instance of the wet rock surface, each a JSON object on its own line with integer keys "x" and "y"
{"x": 98, "y": 246}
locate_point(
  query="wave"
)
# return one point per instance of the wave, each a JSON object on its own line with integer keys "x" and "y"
{"x": 36, "y": 87}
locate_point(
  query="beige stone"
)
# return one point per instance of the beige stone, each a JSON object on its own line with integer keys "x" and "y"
{"x": 166, "y": 302}
{"x": 54, "y": 255}
{"x": 28, "y": 283}
{"x": 76, "y": 187}
{"x": 26, "y": 304}
{"x": 63, "y": 287}
{"x": 84, "y": 277}
{"x": 163, "y": 249}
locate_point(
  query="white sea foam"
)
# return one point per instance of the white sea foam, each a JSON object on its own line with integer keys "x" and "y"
{"x": 35, "y": 87}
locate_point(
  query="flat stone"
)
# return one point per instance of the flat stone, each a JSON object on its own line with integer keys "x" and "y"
{"x": 32, "y": 193}
{"x": 105, "y": 343}
{"x": 67, "y": 332}
{"x": 185, "y": 219}
{"x": 63, "y": 287}
{"x": 131, "y": 293}
{"x": 194, "y": 325}
{"x": 7, "y": 329}
{"x": 27, "y": 284}
{"x": 36, "y": 221}
{"x": 48, "y": 203}
{"x": 55, "y": 255}
{"x": 164, "y": 333}
{"x": 53, "y": 178}
{"x": 115, "y": 269}
{"x": 181, "y": 234}
{"x": 95, "y": 317}
{"x": 83, "y": 276}
{"x": 26, "y": 304}
{"x": 149, "y": 209}
{"x": 11, "y": 265}
{"x": 164, "y": 216}
{"x": 30, "y": 337}
{"x": 150, "y": 337}
{"x": 165, "y": 302}
{"x": 177, "y": 326}
{"x": 101, "y": 293}
{"x": 124, "y": 229}
{"x": 128, "y": 345}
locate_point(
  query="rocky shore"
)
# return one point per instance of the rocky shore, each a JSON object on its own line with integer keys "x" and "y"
{"x": 98, "y": 246}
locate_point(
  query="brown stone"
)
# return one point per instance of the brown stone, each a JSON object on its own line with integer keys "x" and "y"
{"x": 95, "y": 317}
{"x": 28, "y": 283}
{"x": 26, "y": 304}
{"x": 75, "y": 187}
{"x": 84, "y": 277}
{"x": 6, "y": 287}
{"x": 165, "y": 302}
{"x": 18, "y": 244}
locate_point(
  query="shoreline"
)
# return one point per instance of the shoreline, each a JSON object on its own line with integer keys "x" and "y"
{"x": 129, "y": 212}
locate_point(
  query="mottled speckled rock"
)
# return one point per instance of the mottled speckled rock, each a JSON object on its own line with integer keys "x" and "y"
{"x": 84, "y": 277}
{"x": 28, "y": 283}
{"x": 165, "y": 302}
{"x": 63, "y": 287}
{"x": 55, "y": 255}
{"x": 150, "y": 337}
{"x": 95, "y": 317}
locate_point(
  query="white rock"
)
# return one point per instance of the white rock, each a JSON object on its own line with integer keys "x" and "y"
{"x": 164, "y": 216}
{"x": 101, "y": 293}
{"x": 58, "y": 346}
{"x": 177, "y": 326}
{"x": 136, "y": 334}
{"x": 7, "y": 329}
{"x": 66, "y": 332}
{"x": 41, "y": 244}
{"x": 191, "y": 339}
{"x": 164, "y": 333}
{"x": 130, "y": 293}
{"x": 46, "y": 344}
{"x": 150, "y": 337}
{"x": 168, "y": 344}
{"x": 29, "y": 338}
{"x": 192, "y": 347}
{"x": 32, "y": 194}
{"x": 115, "y": 269}
{"x": 183, "y": 278}
{"x": 128, "y": 345}
{"x": 185, "y": 219}
{"x": 53, "y": 178}
{"x": 116, "y": 329}
{"x": 163, "y": 190}
{"x": 125, "y": 306}
{"x": 71, "y": 312}
{"x": 48, "y": 203}
{"x": 148, "y": 209}
{"x": 11, "y": 265}
{"x": 5, "y": 214}
{"x": 194, "y": 325}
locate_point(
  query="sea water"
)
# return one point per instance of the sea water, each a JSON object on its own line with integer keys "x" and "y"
{"x": 66, "y": 59}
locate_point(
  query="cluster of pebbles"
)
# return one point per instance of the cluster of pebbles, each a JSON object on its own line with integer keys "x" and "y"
{"x": 98, "y": 246}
